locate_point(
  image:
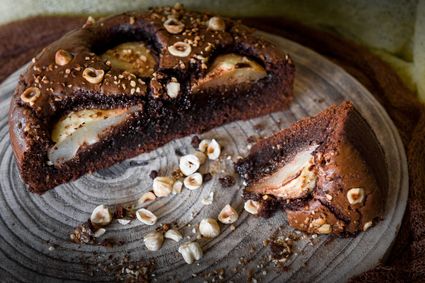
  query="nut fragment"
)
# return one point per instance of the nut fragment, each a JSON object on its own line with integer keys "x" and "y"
{"x": 180, "y": 49}
{"x": 99, "y": 232}
{"x": 201, "y": 156}
{"x": 153, "y": 241}
{"x": 213, "y": 150}
{"x": 228, "y": 215}
{"x": 92, "y": 75}
{"x": 173, "y": 26}
{"x": 189, "y": 164}
{"x": 209, "y": 228}
{"x": 162, "y": 186}
{"x": 101, "y": 216}
{"x": 173, "y": 89}
{"x": 177, "y": 187}
{"x": 146, "y": 197}
{"x": 173, "y": 235}
{"x": 208, "y": 200}
{"x": 193, "y": 182}
{"x": 324, "y": 229}
{"x": 30, "y": 95}
{"x": 62, "y": 57}
{"x": 216, "y": 23}
{"x": 146, "y": 216}
{"x": 252, "y": 206}
{"x": 190, "y": 251}
{"x": 355, "y": 195}
{"x": 124, "y": 221}
{"x": 203, "y": 145}
{"x": 367, "y": 225}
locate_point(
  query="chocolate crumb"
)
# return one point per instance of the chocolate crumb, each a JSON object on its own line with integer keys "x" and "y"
{"x": 153, "y": 174}
{"x": 195, "y": 142}
{"x": 206, "y": 177}
{"x": 227, "y": 181}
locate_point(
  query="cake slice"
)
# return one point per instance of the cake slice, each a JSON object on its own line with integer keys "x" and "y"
{"x": 130, "y": 83}
{"x": 327, "y": 172}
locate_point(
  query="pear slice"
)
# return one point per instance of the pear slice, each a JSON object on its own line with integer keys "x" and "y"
{"x": 133, "y": 57}
{"x": 231, "y": 69}
{"x": 294, "y": 180}
{"x": 83, "y": 127}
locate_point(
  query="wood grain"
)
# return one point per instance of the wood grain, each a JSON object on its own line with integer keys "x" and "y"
{"x": 30, "y": 224}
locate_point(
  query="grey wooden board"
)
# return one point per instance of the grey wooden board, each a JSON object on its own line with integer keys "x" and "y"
{"x": 30, "y": 223}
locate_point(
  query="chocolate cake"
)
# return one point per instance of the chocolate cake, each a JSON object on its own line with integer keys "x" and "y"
{"x": 130, "y": 83}
{"x": 327, "y": 172}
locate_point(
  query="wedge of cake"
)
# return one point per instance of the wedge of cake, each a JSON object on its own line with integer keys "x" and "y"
{"x": 130, "y": 83}
{"x": 327, "y": 172}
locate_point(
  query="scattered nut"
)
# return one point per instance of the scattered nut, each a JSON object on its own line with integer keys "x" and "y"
{"x": 146, "y": 197}
{"x": 146, "y": 216}
{"x": 30, "y": 95}
{"x": 325, "y": 229}
{"x": 208, "y": 200}
{"x": 209, "y": 228}
{"x": 190, "y": 251}
{"x": 62, "y": 57}
{"x": 153, "y": 241}
{"x": 173, "y": 89}
{"x": 99, "y": 233}
{"x": 193, "y": 182}
{"x": 189, "y": 164}
{"x": 228, "y": 215}
{"x": 213, "y": 150}
{"x": 101, "y": 216}
{"x": 180, "y": 49}
{"x": 367, "y": 225}
{"x": 124, "y": 221}
{"x": 93, "y": 75}
{"x": 252, "y": 206}
{"x": 355, "y": 195}
{"x": 177, "y": 187}
{"x": 173, "y": 235}
{"x": 216, "y": 23}
{"x": 162, "y": 186}
{"x": 173, "y": 26}
{"x": 203, "y": 145}
{"x": 201, "y": 156}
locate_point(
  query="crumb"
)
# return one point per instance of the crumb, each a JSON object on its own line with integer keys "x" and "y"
{"x": 153, "y": 174}
{"x": 227, "y": 181}
{"x": 195, "y": 142}
{"x": 206, "y": 177}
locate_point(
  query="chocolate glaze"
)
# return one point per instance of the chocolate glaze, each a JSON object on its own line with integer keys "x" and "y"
{"x": 63, "y": 89}
{"x": 344, "y": 160}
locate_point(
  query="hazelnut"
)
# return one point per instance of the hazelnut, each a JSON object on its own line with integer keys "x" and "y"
{"x": 355, "y": 195}
{"x": 228, "y": 215}
{"x": 101, "y": 216}
{"x": 93, "y": 75}
{"x": 190, "y": 251}
{"x": 146, "y": 216}
{"x": 146, "y": 197}
{"x": 62, "y": 57}
{"x": 30, "y": 95}
{"x": 213, "y": 150}
{"x": 173, "y": 235}
{"x": 216, "y": 23}
{"x": 162, "y": 186}
{"x": 189, "y": 164}
{"x": 173, "y": 26}
{"x": 153, "y": 241}
{"x": 367, "y": 225}
{"x": 324, "y": 229}
{"x": 209, "y": 228}
{"x": 180, "y": 49}
{"x": 177, "y": 187}
{"x": 173, "y": 89}
{"x": 252, "y": 206}
{"x": 193, "y": 182}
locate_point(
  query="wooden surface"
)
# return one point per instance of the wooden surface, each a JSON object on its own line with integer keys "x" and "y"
{"x": 30, "y": 224}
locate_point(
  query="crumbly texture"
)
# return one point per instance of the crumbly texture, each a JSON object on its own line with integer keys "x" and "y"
{"x": 63, "y": 89}
{"x": 344, "y": 160}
